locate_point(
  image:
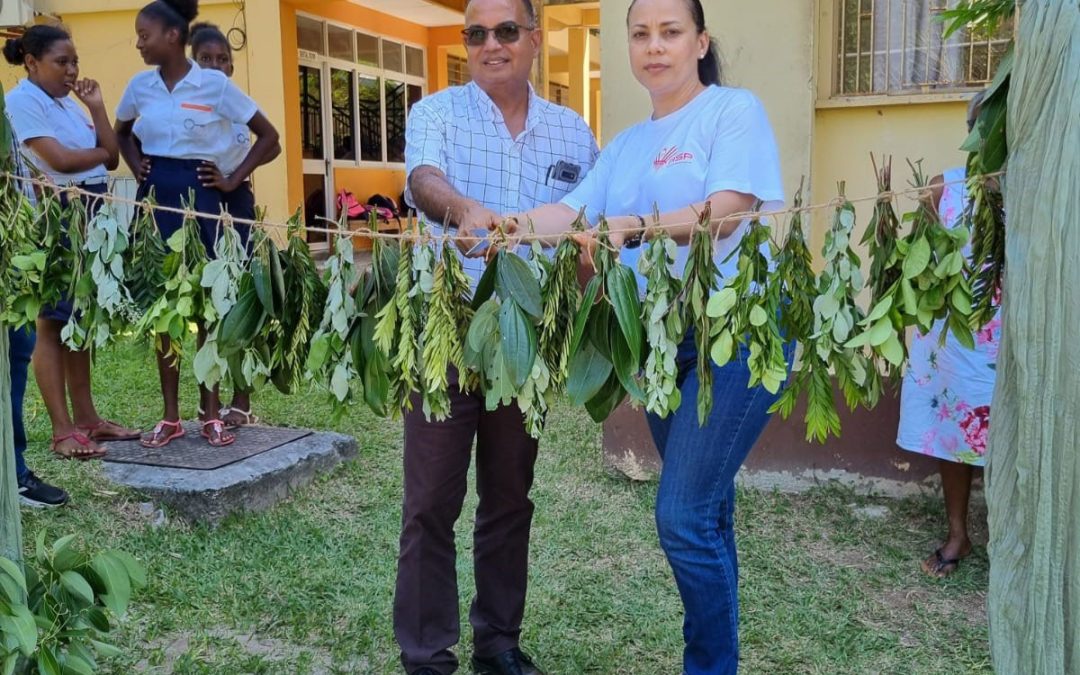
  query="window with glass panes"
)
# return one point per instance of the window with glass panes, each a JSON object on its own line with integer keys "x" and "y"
{"x": 899, "y": 47}
{"x": 373, "y": 81}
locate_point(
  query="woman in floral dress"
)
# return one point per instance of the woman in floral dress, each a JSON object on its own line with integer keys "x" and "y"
{"x": 945, "y": 399}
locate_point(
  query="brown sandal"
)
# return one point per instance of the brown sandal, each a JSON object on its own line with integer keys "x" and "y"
{"x": 107, "y": 430}
{"x": 83, "y": 452}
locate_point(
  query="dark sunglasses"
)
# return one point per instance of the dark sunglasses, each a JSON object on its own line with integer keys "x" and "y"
{"x": 506, "y": 33}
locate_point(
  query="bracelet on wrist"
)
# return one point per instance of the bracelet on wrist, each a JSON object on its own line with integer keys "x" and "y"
{"x": 635, "y": 240}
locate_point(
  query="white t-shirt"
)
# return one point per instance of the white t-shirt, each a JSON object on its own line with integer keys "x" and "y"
{"x": 238, "y": 150}
{"x": 720, "y": 140}
{"x": 193, "y": 121}
{"x": 36, "y": 114}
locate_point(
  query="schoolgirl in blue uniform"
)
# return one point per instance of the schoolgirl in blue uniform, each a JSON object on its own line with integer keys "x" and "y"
{"x": 171, "y": 120}
{"x": 68, "y": 148}
{"x": 210, "y": 49}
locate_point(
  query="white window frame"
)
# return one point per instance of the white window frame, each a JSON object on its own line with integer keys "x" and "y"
{"x": 328, "y": 63}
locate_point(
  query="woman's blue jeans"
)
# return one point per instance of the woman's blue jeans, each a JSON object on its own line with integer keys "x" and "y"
{"x": 20, "y": 349}
{"x": 695, "y": 506}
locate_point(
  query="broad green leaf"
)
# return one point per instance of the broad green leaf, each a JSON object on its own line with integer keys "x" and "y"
{"x": 12, "y": 570}
{"x": 76, "y": 585}
{"x": 588, "y": 372}
{"x": 47, "y": 662}
{"x": 76, "y": 665}
{"x": 893, "y": 351}
{"x": 105, "y": 649}
{"x": 97, "y": 618}
{"x": 114, "y": 576}
{"x": 723, "y": 348}
{"x": 23, "y": 626}
{"x": 627, "y": 364}
{"x": 584, "y": 309}
{"x": 758, "y": 316}
{"x": 622, "y": 289}
{"x": 10, "y": 661}
{"x": 518, "y": 338}
{"x": 917, "y": 259}
{"x": 486, "y": 287}
{"x": 721, "y": 303}
{"x": 961, "y": 301}
{"x": 881, "y": 332}
{"x": 880, "y": 309}
{"x": 606, "y": 400}
{"x": 515, "y": 281}
{"x": 339, "y": 382}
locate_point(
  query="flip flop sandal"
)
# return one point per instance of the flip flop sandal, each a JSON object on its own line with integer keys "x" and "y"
{"x": 92, "y": 432}
{"x": 157, "y": 437}
{"x": 217, "y": 435}
{"x": 84, "y": 444}
{"x": 937, "y": 569}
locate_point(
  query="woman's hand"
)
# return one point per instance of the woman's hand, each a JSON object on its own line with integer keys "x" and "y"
{"x": 211, "y": 177}
{"x": 89, "y": 92}
{"x": 145, "y": 164}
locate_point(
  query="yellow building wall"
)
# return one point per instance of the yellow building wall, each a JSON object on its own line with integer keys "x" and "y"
{"x": 104, "y": 36}
{"x": 844, "y": 137}
{"x": 777, "y": 65}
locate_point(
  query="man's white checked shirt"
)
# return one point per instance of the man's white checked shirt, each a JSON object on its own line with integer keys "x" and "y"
{"x": 461, "y": 132}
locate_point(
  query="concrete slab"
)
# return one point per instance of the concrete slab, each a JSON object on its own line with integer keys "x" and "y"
{"x": 250, "y": 485}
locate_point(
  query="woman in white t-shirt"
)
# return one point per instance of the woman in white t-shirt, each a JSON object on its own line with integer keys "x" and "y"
{"x": 703, "y": 143}
{"x": 69, "y": 148}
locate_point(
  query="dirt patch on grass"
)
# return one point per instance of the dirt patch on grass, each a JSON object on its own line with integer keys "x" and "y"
{"x": 175, "y": 646}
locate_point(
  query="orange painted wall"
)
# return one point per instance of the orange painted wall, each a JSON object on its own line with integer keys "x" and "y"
{"x": 442, "y": 36}
{"x": 363, "y": 182}
{"x": 290, "y": 65}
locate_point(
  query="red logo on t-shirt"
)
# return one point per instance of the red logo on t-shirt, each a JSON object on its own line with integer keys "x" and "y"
{"x": 669, "y": 156}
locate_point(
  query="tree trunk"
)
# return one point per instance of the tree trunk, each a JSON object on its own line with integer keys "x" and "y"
{"x": 1033, "y": 470}
{"x": 10, "y": 522}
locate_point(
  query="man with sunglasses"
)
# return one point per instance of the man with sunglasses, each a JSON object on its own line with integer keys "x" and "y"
{"x": 472, "y": 153}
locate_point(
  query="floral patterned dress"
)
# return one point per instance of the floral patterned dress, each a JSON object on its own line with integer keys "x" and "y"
{"x": 945, "y": 397}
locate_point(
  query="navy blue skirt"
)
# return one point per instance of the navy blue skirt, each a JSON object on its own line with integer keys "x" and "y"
{"x": 172, "y": 181}
{"x": 240, "y": 203}
{"x": 61, "y": 311}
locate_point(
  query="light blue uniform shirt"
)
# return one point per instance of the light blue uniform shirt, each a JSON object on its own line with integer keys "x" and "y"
{"x": 36, "y": 114}
{"x": 193, "y": 121}
{"x": 461, "y": 132}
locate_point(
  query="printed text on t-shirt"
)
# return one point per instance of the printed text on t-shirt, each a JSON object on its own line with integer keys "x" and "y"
{"x": 669, "y": 156}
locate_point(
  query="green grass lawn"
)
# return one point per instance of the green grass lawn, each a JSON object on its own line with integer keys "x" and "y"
{"x": 307, "y": 587}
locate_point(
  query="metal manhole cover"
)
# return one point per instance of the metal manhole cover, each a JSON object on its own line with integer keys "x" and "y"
{"x": 193, "y": 452}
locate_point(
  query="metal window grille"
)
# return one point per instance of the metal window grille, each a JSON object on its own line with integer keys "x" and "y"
{"x": 457, "y": 71}
{"x": 898, "y": 47}
{"x": 558, "y": 93}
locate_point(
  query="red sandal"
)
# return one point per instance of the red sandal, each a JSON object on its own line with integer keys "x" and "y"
{"x": 215, "y": 434}
{"x": 158, "y": 439}
{"x": 84, "y": 451}
{"x": 107, "y": 430}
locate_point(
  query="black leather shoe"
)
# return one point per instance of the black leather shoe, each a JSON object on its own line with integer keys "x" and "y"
{"x": 425, "y": 671}
{"x": 511, "y": 662}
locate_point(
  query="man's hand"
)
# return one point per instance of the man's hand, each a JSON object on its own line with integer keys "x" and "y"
{"x": 476, "y": 217}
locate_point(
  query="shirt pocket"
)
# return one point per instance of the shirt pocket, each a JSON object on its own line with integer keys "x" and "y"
{"x": 197, "y": 123}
